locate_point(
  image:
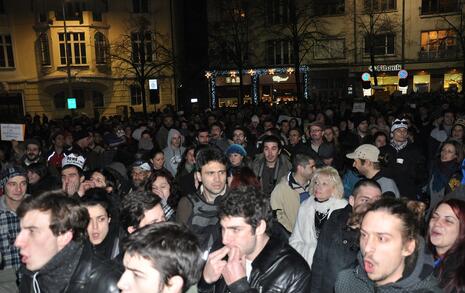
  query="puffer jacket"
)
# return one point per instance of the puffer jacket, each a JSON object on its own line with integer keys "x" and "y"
{"x": 420, "y": 278}
{"x": 278, "y": 268}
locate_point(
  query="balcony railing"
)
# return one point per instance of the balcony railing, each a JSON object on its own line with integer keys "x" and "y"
{"x": 449, "y": 53}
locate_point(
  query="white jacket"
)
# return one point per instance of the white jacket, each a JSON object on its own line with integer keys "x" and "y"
{"x": 304, "y": 238}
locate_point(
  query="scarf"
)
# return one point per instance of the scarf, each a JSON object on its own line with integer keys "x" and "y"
{"x": 441, "y": 173}
{"x": 400, "y": 146}
{"x": 56, "y": 274}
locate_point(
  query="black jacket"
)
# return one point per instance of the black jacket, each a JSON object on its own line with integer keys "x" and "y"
{"x": 278, "y": 268}
{"x": 90, "y": 274}
{"x": 337, "y": 250}
{"x": 408, "y": 169}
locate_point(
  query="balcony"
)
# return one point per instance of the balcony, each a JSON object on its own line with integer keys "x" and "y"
{"x": 449, "y": 53}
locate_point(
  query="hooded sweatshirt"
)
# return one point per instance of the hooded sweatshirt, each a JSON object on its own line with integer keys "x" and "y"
{"x": 173, "y": 156}
{"x": 417, "y": 277}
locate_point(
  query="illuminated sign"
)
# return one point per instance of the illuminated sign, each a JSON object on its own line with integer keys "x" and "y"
{"x": 71, "y": 103}
{"x": 153, "y": 84}
{"x": 277, "y": 78}
{"x": 384, "y": 67}
{"x": 366, "y": 76}
{"x": 402, "y": 73}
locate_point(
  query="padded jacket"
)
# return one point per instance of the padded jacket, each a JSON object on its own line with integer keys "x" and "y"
{"x": 278, "y": 268}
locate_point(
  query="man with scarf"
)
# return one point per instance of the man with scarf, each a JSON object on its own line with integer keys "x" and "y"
{"x": 54, "y": 254}
{"x": 405, "y": 161}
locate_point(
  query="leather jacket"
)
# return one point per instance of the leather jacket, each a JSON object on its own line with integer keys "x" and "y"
{"x": 92, "y": 274}
{"x": 278, "y": 268}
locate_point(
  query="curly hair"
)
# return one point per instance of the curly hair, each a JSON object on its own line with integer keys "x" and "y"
{"x": 249, "y": 203}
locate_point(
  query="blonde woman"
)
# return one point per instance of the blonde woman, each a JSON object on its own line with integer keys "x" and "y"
{"x": 326, "y": 196}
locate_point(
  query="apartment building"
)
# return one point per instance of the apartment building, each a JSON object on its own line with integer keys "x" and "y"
{"x": 337, "y": 40}
{"x": 54, "y": 50}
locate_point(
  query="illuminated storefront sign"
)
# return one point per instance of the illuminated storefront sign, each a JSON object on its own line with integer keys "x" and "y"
{"x": 384, "y": 67}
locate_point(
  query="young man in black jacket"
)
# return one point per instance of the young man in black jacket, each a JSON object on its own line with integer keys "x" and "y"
{"x": 251, "y": 260}
{"x": 53, "y": 253}
{"x": 338, "y": 242}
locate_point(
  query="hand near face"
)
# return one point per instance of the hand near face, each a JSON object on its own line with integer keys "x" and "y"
{"x": 215, "y": 265}
{"x": 88, "y": 184}
{"x": 235, "y": 268}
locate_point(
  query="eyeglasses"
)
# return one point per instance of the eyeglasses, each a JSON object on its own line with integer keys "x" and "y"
{"x": 400, "y": 121}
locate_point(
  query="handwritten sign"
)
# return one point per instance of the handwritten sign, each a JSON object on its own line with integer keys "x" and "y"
{"x": 358, "y": 108}
{"x": 12, "y": 131}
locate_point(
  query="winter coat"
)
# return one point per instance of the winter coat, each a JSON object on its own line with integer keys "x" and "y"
{"x": 173, "y": 156}
{"x": 304, "y": 237}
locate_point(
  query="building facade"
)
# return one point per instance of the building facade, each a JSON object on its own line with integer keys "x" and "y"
{"x": 339, "y": 40}
{"x": 54, "y": 50}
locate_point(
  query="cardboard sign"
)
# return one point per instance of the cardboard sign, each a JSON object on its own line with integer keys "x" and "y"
{"x": 12, "y": 132}
{"x": 358, "y": 108}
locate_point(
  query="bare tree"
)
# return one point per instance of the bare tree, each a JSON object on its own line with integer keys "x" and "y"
{"x": 456, "y": 23}
{"x": 297, "y": 24}
{"x": 379, "y": 29}
{"x": 229, "y": 43}
{"x": 142, "y": 53}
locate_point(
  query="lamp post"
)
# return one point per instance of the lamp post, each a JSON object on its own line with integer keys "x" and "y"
{"x": 67, "y": 52}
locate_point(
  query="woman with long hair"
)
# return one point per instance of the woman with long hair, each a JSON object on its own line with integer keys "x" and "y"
{"x": 162, "y": 184}
{"x": 446, "y": 238}
{"x": 326, "y": 196}
{"x": 443, "y": 169}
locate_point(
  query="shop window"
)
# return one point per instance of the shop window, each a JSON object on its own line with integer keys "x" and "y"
{"x": 277, "y": 11}
{"x": 97, "y": 98}
{"x": 44, "y": 49}
{"x": 379, "y": 5}
{"x": 279, "y": 52}
{"x": 6, "y": 52}
{"x": 329, "y": 49}
{"x": 142, "y": 47}
{"x": 439, "y": 6}
{"x": 329, "y": 7}
{"x": 381, "y": 44}
{"x": 75, "y": 48}
{"x": 101, "y": 48}
{"x": 136, "y": 95}
{"x": 140, "y": 6}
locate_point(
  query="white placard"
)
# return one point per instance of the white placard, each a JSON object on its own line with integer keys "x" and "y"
{"x": 12, "y": 132}
{"x": 358, "y": 107}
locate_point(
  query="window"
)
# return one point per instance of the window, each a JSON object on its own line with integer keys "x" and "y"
{"x": 73, "y": 10}
{"x": 277, "y": 11}
{"x": 60, "y": 99}
{"x": 439, "y": 6}
{"x": 6, "y": 52}
{"x": 140, "y": 6}
{"x": 330, "y": 49}
{"x": 44, "y": 50}
{"x": 438, "y": 44}
{"x": 136, "y": 95}
{"x": 101, "y": 48}
{"x": 76, "y": 48}
{"x": 382, "y": 44}
{"x": 98, "y": 99}
{"x": 329, "y": 7}
{"x": 141, "y": 46}
{"x": 279, "y": 52}
{"x": 380, "y": 5}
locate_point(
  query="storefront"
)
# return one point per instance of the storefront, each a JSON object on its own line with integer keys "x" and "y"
{"x": 270, "y": 85}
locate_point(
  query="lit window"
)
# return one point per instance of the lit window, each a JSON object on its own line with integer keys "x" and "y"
{"x": 76, "y": 48}
{"x": 6, "y": 52}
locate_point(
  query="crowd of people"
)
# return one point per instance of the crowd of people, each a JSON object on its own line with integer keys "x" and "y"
{"x": 290, "y": 198}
